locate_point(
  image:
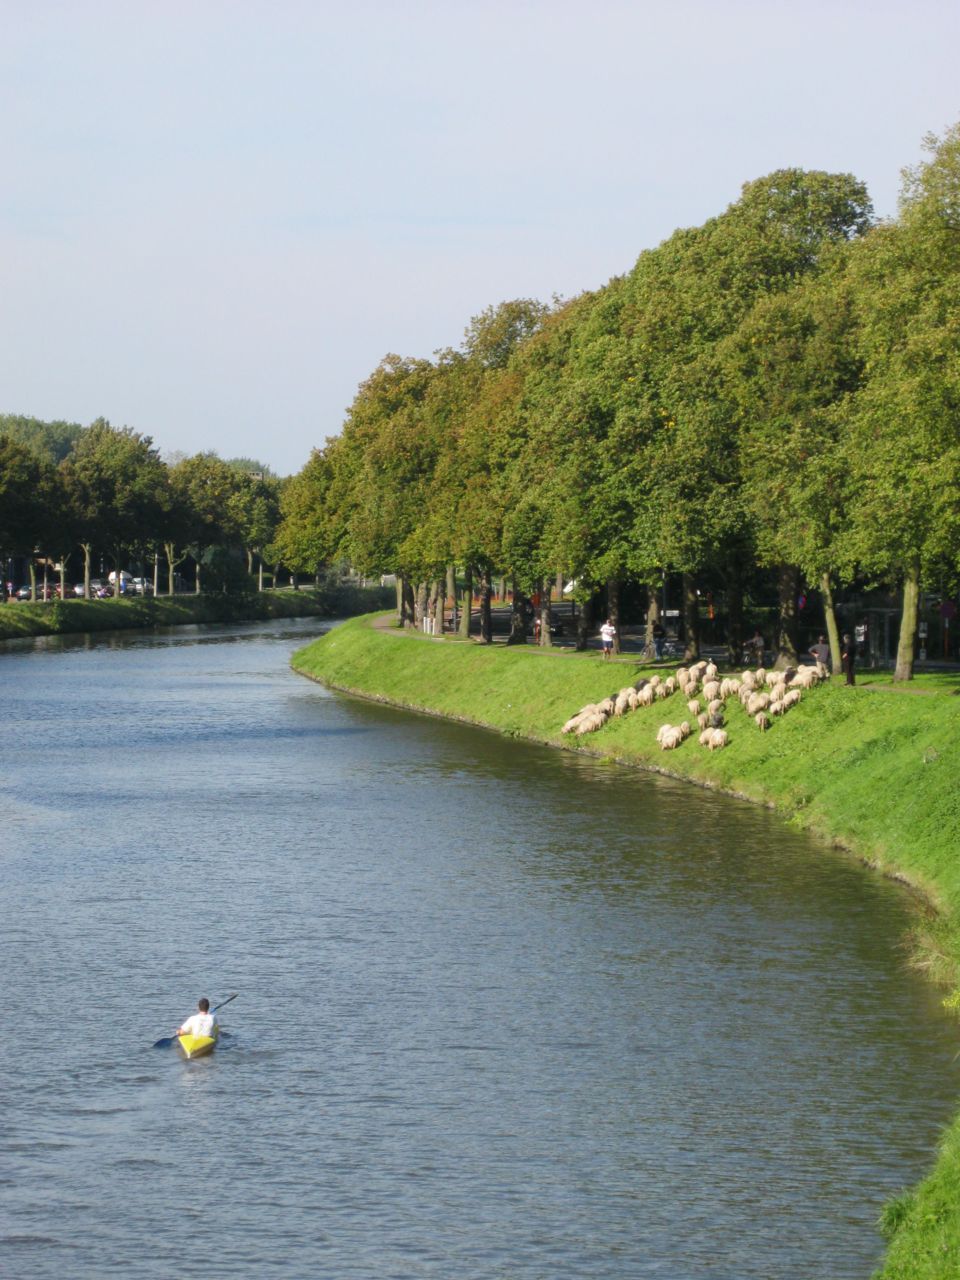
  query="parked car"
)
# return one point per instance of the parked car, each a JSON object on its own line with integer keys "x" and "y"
{"x": 78, "y": 589}
{"x": 23, "y": 593}
{"x": 140, "y": 587}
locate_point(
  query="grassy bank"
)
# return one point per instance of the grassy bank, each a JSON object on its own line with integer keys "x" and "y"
{"x": 874, "y": 768}
{"x": 62, "y": 617}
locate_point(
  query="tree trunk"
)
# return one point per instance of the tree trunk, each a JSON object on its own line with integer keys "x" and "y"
{"x": 545, "y": 639}
{"x": 559, "y": 584}
{"x": 691, "y": 619}
{"x": 735, "y": 633}
{"x": 438, "y": 600}
{"x": 830, "y": 617}
{"x": 584, "y": 624}
{"x": 398, "y": 584}
{"x": 451, "y": 595}
{"x": 196, "y": 578}
{"x": 653, "y": 616}
{"x": 260, "y": 573}
{"x": 423, "y": 604}
{"x": 87, "y": 550}
{"x": 908, "y": 622}
{"x": 789, "y": 587}
{"x": 409, "y": 609}
{"x": 613, "y": 609}
{"x": 32, "y": 569}
{"x": 486, "y": 621}
{"x": 518, "y": 617}
{"x": 249, "y": 551}
{"x": 466, "y": 606}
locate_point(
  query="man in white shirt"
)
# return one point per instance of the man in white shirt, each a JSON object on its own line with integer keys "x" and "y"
{"x": 201, "y": 1023}
{"x": 607, "y": 633}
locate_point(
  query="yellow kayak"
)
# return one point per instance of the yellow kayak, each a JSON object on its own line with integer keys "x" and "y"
{"x": 197, "y": 1046}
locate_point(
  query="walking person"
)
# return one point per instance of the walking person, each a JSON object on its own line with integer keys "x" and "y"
{"x": 848, "y": 654}
{"x": 607, "y": 635}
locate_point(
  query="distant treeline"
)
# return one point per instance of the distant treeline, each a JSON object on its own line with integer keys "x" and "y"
{"x": 102, "y": 493}
{"x": 776, "y": 391}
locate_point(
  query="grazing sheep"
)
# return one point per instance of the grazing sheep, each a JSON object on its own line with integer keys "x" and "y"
{"x": 670, "y": 741}
{"x": 654, "y": 681}
{"x": 646, "y": 696}
{"x": 757, "y": 702}
{"x": 634, "y": 699}
{"x": 703, "y": 720}
{"x": 706, "y": 737}
{"x": 606, "y": 706}
{"x": 663, "y": 730}
{"x": 683, "y": 675}
{"x": 622, "y": 704}
{"x": 748, "y": 680}
{"x": 791, "y": 698}
{"x": 760, "y": 675}
{"x": 685, "y": 729}
{"x": 718, "y": 738}
{"x": 710, "y": 671}
{"x": 711, "y": 689}
{"x": 777, "y": 707}
{"x": 693, "y": 706}
{"x": 591, "y": 723}
{"x": 762, "y": 721}
{"x": 714, "y": 707}
{"x": 670, "y": 684}
{"x": 662, "y": 691}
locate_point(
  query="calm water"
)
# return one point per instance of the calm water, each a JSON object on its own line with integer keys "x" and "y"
{"x": 503, "y": 1012}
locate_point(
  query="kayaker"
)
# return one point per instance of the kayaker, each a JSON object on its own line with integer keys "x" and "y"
{"x": 201, "y": 1023}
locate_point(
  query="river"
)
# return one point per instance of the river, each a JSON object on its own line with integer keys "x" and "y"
{"x": 503, "y": 1012}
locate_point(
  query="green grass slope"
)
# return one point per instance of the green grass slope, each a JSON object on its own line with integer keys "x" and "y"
{"x": 874, "y": 768}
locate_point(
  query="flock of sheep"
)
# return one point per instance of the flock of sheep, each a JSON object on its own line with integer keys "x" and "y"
{"x": 762, "y": 694}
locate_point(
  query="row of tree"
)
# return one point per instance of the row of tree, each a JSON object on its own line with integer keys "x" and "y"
{"x": 104, "y": 491}
{"x": 779, "y": 387}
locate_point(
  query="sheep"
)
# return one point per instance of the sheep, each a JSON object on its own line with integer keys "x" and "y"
{"x": 622, "y": 704}
{"x": 654, "y": 681}
{"x": 663, "y": 730}
{"x": 606, "y": 706}
{"x": 714, "y": 707}
{"x": 683, "y": 675}
{"x": 791, "y": 698}
{"x": 685, "y": 729}
{"x": 705, "y": 737}
{"x": 703, "y": 720}
{"x": 634, "y": 699}
{"x": 748, "y": 680}
{"x": 693, "y": 706}
{"x": 670, "y": 741}
{"x": 662, "y": 691}
{"x": 670, "y": 684}
{"x": 777, "y": 707}
{"x": 718, "y": 738}
{"x": 729, "y": 688}
{"x": 710, "y": 671}
{"x": 711, "y": 689}
{"x": 646, "y": 695}
{"x": 760, "y": 675}
{"x": 591, "y": 723}
{"x": 762, "y": 721}
{"x": 757, "y": 702}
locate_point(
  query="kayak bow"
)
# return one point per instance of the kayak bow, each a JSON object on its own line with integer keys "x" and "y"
{"x": 196, "y": 1046}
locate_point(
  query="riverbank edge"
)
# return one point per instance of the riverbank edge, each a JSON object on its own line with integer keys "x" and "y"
{"x": 923, "y": 1225}
{"x": 79, "y": 617}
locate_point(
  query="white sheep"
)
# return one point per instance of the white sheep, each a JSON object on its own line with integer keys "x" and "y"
{"x": 670, "y": 741}
{"x": 685, "y": 729}
{"x": 711, "y": 689}
{"x": 710, "y": 671}
{"x": 705, "y": 737}
{"x": 777, "y": 707}
{"x": 715, "y": 707}
{"x": 693, "y": 706}
{"x": 791, "y": 698}
{"x": 718, "y": 738}
{"x": 757, "y": 702}
{"x": 703, "y": 720}
{"x": 762, "y": 721}
{"x": 646, "y": 695}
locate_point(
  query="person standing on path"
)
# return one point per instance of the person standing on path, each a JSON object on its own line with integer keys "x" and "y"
{"x": 607, "y": 635}
{"x": 847, "y": 657}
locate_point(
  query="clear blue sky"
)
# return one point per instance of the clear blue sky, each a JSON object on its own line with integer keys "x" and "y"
{"x": 216, "y": 218}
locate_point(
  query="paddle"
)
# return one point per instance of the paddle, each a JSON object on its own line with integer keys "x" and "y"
{"x": 166, "y": 1041}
